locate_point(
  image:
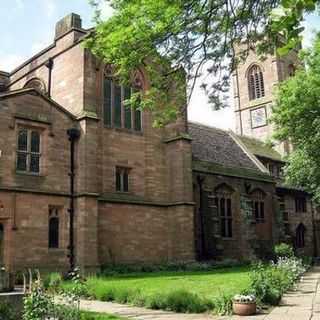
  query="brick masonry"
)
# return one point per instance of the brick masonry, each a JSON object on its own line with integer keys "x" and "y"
{"x": 155, "y": 222}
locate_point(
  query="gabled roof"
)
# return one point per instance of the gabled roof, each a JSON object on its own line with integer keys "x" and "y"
{"x": 217, "y": 146}
{"x": 35, "y": 92}
{"x": 260, "y": 148}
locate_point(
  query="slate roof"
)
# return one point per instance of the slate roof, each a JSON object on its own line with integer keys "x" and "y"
{"x": 260, "y": 148}
{"x": 217, "y": 146}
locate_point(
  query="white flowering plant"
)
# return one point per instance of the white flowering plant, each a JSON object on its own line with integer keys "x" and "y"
{"x": 241, "y": 298}
{"x": 293, "y": 266}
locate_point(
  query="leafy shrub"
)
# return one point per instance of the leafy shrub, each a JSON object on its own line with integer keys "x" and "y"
{"x": 7, "y": 312}
{"x": 185, "y": 302}
{"x": 52, "y": 281}
{"x": 223, "y": 305}
{"x": 307, "y": 261}
{"x": 283, "y": 250}
{"x": 37, "y": 305}
{"x": 270, "y": 281}
{"x": 62, "y": 312}
{"x": 294, "y": 267}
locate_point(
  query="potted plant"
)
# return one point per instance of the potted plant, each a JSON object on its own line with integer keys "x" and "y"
{"x": 244, "y": 305}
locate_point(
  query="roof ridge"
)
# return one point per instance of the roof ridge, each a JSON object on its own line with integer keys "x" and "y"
{"x": 207, "y": 126}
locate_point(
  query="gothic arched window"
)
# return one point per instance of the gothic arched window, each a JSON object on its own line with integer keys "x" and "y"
{"x": 116, "y": 112}
{"x": 223, "y": 203}
{"x": 300, "y": 236}
{"x": 258, "y": 205}
{"x": 255, "y": 83}
{"x": 53, "y": 228}
{"x": 36, "y": 83}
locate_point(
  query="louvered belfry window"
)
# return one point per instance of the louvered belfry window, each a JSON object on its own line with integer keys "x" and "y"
{"x": 255, "y": 83}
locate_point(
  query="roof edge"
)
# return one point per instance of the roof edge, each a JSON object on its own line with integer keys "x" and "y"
{"x": 252, "y": 157}
{"x": 36, "y": 92}
{"x": 243, "y": 173}
{"x": 49, "y": 47}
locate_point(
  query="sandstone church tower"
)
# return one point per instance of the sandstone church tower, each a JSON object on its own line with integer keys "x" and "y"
{"x": 253, "y": 82}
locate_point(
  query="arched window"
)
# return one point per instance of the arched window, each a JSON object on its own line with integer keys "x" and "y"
{"x": 36, "y": 83}
{"x": 53, "y": 228}
{"x": 300, "y": 236}
{"x": 258, "y": 205}
{"x": 223, "y": 203}
{"x": 116, "y": 112}
{"x": 255, "y": 83}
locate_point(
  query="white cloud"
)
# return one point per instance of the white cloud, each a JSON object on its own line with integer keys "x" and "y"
{"x": 10, "y": 62}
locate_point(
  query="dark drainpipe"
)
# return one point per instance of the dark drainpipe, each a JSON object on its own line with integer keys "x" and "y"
{"x": 49, "y": 65}
{"x": 74, "y": 135}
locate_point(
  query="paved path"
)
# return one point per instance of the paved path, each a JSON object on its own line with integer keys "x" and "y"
{"x": 303, "y": 304}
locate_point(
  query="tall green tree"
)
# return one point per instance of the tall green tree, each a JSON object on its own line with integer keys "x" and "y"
{"x": 197, "y": 35}
{"x": 296, "y": 116}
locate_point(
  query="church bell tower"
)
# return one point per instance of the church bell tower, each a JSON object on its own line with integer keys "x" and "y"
{"x": 254, "y": 81}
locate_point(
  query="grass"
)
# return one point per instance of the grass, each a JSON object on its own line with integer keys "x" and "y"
{"x": 207, "y": 284}
{"x": 187, "y": 291}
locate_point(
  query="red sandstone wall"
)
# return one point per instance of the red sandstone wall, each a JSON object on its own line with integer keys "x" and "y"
{"x": 145, "y": 234}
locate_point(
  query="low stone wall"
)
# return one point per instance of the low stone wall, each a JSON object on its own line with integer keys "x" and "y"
{"x": 5, "y": 281}
{"x": 15, "y": 299}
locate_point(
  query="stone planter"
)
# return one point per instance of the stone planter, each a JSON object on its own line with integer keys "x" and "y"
{"x": 244, "y": 308}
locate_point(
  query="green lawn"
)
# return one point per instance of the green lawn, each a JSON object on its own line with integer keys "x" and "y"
{"x": 179, "y": 291}
{"x": 207, "y": 284}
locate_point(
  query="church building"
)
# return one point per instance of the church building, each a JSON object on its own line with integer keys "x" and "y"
{"x": 72, "y": 154}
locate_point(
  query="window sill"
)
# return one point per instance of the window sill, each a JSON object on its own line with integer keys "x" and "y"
{"x": 260, "y": 126}
{"x": 259, "y": 101}
{"x": 25, "y": 173}
{"x": 56, "y": 250}
{"x": 124, "y": 130}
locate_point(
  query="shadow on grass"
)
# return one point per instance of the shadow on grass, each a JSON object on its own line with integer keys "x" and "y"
{"x": 178, "y": 274}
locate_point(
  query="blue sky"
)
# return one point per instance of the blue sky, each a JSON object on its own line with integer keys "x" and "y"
{"x": 27, "y": 26}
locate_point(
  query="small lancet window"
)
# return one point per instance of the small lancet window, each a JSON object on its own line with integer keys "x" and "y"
{"x": 53, "y": 228}
{"x": 255, "y": 83}
{"x": 300, "y": 236}
{"x": 122, "y": 179}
